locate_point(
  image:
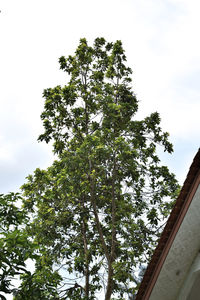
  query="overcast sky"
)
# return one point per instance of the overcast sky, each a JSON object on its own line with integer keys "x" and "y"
{"x": 162, "y": 43}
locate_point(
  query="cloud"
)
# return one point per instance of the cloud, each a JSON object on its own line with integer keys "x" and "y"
{"x": 22, "y": 162}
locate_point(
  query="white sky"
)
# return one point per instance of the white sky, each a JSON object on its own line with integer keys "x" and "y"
{"x": 162, "y": 43}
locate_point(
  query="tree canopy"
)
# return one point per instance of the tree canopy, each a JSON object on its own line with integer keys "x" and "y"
{"x": 96, "y": 211}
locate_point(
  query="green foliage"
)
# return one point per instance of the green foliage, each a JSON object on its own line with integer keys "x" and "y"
{"x": 95, "y": 212}
{"x": 41, "y": 285}
{"x": 15, "y": 247}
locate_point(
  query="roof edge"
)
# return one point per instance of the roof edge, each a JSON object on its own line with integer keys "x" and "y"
{"x": 169, "y": 231}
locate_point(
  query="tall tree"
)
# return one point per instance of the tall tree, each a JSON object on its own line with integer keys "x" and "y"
{"x": 96, "y": 210}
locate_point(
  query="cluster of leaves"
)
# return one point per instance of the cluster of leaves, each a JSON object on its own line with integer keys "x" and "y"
{"x": 16, "y": 247}
{"x": 14, "y": 244}
{"x": 95, "y": 211}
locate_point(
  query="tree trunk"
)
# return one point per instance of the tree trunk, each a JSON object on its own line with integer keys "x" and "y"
{"x": 109, "y": 287}
{"x": 86, "y": 268}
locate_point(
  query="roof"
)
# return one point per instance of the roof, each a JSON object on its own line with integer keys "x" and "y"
{"x": 168, "y": 236}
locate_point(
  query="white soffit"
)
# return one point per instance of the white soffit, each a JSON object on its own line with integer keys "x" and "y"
{"x": 183, "y": 251}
